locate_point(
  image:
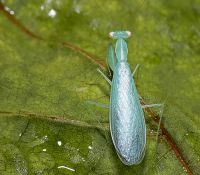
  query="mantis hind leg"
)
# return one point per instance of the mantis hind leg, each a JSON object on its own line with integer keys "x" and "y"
{"x": 160, "y": 119}
{"x": 161, "y": 114}
{"x": 152, "y": 105}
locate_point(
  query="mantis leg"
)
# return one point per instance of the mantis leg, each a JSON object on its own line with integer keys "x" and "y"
{"x": 97, "y": 104}
{"x": 136, "y": 68}
{"x": 111, "y": 62}
{"x": 107, "y": 79}
{"x": 161, "y": 115}
{"x": 152, "y": 105}
{"x": 111, "y": 57}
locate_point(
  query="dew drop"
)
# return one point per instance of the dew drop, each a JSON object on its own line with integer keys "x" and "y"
{"x": 42, "y": 7}
{"x": 52, "y": 13}
{"x": 12, "y": 12}
{"x": 89, "y": 147}
{"x": 59, "y": 143}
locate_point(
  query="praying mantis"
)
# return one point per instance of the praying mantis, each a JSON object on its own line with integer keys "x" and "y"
{"x": 126, "y": 116}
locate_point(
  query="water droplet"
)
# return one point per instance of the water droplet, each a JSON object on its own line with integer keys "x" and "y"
{"x": 77, "y": 9}
{"x": 52, "y": 13}
{"x": 12, "y": 12}
{"x": 81, "y": 89}
{"x": 94, "y": 24}
{"x": 65, "y": 167}
{"x": 44, "y": 150}
{"x": 59, "y": 143}
{"x": 42, "y": 7}
{"x": 9, "y": 10}
{"x": 89, "y": 147}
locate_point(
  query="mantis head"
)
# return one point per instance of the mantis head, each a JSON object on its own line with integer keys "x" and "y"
{"x": 121, "y": 49}
{"x": 120, "y": 34}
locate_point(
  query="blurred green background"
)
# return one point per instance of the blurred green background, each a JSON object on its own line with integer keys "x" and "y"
{"x": 46, "y": 126}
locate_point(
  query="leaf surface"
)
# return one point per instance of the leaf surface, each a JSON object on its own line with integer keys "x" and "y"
{"x": 47, "y": 75}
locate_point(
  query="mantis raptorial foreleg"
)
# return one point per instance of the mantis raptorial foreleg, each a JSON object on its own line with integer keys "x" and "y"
{"x": 111, "y": 57}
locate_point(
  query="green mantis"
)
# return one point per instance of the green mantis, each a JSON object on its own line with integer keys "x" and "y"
{"x": 127, "y": 122}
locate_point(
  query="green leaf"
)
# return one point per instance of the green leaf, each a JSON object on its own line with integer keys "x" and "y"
{"x": 49, "y": 52}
